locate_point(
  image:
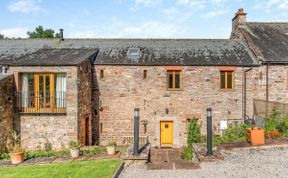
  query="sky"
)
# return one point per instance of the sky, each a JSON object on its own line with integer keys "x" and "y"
{"x": 134, "y": 18}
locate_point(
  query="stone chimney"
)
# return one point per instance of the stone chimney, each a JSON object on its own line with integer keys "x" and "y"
{"x": 61, "y": 34}
{"x": 238, "y": 22}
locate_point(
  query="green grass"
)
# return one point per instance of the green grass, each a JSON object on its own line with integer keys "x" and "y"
{"x": 82, "y": 169}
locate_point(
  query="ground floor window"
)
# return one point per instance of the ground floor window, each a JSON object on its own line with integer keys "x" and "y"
{"x": 42, "y": 92}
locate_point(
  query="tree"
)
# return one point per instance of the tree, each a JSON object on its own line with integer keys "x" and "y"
{"x": 2, "y": 36}
{"x": 40, "y": 32}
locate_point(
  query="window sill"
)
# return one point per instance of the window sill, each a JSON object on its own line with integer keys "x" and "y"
{"x": 227, "y": 90}
{"x": 174, "y": 90}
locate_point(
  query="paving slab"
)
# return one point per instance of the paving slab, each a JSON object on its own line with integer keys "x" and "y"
{"x": 165, "y": 159}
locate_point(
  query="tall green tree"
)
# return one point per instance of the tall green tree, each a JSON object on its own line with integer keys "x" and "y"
{"x": 40, "y": 32}
{"x": 2, "y": 36}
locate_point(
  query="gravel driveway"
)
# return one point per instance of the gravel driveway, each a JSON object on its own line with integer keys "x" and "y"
{"x": 269, "y": 162}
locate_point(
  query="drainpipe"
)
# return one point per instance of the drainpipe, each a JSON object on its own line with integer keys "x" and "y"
{"x": 245, "y": 92}
{"x": 267, "y": 88}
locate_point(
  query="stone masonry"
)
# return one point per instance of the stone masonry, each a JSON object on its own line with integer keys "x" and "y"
{"x": 277, "y": 87}
{"x": 123, "y": 88}
{"x": 84, "y": 101}
{"x": 7, "y": 101}
{"x": 57, "y": 129}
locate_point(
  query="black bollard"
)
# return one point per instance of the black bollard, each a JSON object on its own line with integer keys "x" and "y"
{"x": 209, "y": 132}
{"x": 136, "y": 132}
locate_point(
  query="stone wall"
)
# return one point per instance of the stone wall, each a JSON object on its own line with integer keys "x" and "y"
{"x": 7, "y": 101}
{"x": 58, "y": 129}
{"x": 84, "y": 102}
{"x": 277, "y": 88}
{"x": 123, "y": 88}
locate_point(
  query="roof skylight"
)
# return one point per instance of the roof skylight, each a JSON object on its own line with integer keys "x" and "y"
{"x": 133, "y": 52}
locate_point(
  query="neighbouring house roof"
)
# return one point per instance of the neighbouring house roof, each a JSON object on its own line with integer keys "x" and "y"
{"x": 271, "y": 39}
{"x": 152, "y": 51}
{"x": 52, "y": 57}
{"x": 2, "y": 76}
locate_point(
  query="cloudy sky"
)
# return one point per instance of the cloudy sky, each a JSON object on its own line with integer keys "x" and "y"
{"x": 134, "y": 18}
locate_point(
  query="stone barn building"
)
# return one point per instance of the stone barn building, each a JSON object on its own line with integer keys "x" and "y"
{"x": 87, "y": 89}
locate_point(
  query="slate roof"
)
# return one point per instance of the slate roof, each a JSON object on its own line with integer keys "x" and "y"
{"x": 152, "y": 51}
{"x": 2, "y": 76}
{"x": 271, "y": 39}
{"x": 52, "y": 57}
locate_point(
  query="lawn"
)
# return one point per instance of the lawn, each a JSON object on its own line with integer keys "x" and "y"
{"x": 81, "y": 169}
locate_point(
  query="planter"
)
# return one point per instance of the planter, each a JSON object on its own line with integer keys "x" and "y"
{"x": 74, "y": 152}
{"x": 111, "y": 150}
{"x": 17, "y": 158}
{"x": 256, "y": 136}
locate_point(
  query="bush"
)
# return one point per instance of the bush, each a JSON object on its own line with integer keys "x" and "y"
{"x": 46, "y": 154}
{"x": 92, "y": 151}
{"x": 194, "y": 136}
{"x": 4, "y": 156}
{"x": 272, "y": 122}
{"x": 283, "y": 126}
{"x": 236, "y": 133}
{"x": 194, "y": 133}
{"x": 187, "y": 153}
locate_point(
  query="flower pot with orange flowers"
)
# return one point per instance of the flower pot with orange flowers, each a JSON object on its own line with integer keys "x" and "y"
{"x": 256, "y": 136}
{"x": 272, "y": 134}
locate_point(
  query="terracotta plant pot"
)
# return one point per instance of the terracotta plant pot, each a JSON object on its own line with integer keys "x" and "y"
{"x": 111, "y": 150}
{"x": 256, "y": 136}
{"x": 17, "y": 158}
{"x": 74, "y": 152}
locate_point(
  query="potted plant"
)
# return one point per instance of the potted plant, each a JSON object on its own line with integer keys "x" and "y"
{"x": 111, "y": 147}
{"x": 16, "y": 151}
{"x": 255, "y": 135}
{"x": 74, "y": 147}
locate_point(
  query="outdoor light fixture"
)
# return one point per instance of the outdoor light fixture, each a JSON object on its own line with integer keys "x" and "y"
{"x": 167, "y": 111}
{"x": 136, "y": 112}
{"x": 209, "y": 112}
{"x": 209, "y": 132}
{"x": 136, "y": 132}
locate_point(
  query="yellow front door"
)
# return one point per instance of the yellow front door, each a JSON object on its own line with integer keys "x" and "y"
{"x": 166, "y": 133}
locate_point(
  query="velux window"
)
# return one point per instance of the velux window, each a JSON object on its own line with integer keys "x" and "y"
{"x": 226, "y": 79}
{"x": 173, "y": 80}
{"x": 42, "y": 93}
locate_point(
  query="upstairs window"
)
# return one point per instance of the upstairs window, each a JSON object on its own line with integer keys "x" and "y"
{"x": 226, "y": 79}
{"x": 173, "y": 80}
{"x": 42, "y": 93}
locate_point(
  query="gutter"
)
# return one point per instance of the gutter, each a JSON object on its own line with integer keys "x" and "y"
{"x": 245, "y": 92}
{"x": 275, "y": 62}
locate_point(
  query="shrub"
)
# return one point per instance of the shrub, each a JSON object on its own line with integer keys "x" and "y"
{"x": 92, "y": 151}
{"x": 74, "y": 144}
{"x": 194, "y": 133}
{"x": 272, "y": 122}
{"x": 187, "y": 153}
{"x": 283, "y": 126}
{"x": 4, "y": 156}
{"x": 46, "y": 154}
{"x": 236, "y": 133}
